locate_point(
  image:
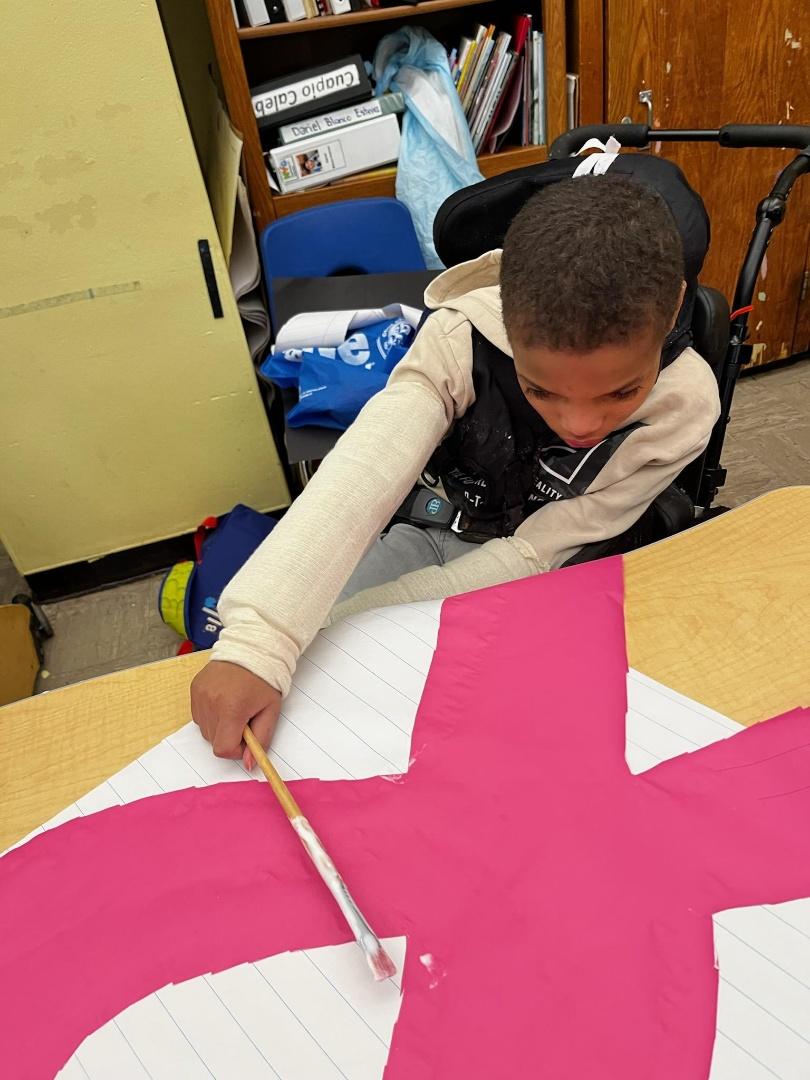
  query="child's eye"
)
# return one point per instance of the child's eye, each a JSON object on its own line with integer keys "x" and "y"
{"x": 532, "y": 391}
{"x": 623, "y": 395}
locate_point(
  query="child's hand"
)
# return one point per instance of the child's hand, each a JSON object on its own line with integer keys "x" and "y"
{"x": 225, "y": 697}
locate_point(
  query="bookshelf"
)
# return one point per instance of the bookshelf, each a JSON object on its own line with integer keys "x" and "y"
{"x": 250, "y": 56}
{"x": 328, "y": 22}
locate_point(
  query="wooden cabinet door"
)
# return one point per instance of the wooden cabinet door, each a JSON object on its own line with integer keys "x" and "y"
{"x": 721, "y": 62}
{"x": 129, "y": 408}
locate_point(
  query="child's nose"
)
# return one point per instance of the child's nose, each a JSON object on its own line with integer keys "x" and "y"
{"x": 583, "y": 424}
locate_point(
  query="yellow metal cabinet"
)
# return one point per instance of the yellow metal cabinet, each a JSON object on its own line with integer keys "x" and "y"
{"x": 128, "y": 412}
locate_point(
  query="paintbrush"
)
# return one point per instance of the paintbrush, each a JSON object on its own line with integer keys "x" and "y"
{"x": 381, "y": 964}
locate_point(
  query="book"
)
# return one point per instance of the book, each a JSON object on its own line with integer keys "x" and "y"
{"x": 470, "y": 61}
{"x": 340, "y": 7}
{"x": 294, "y": 10}
{"x": 352, "y": 114}
{"x": 256, "y": 12}
{"x": 528, "y": 83}
{"x": 505, "y": 114}
{"x": 538, "y": 90}
{"x": 500, "y": 78}
{"x": 323, "y": 158}
{"x": 489, "y": 80}
{"x": 513, "y": 92}
{"x": 293, "y": 97}
{"x": 461, "y": 58}
{"x": 478, "y": 69}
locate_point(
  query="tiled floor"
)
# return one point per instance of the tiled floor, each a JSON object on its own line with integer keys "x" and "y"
{"x": 768, "y": 446}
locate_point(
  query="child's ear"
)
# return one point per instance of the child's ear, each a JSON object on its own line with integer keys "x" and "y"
{"x": 681, "y": 295}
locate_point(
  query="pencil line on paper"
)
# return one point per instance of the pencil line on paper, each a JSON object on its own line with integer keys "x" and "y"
{"x": 374, "y": 674}
{"x": 359, "y": 697}
{"x": 393, "y": 622}
{"x": 368, "y": 705}
{"x": 764, "y": 1009}
{"x": 183, "y": 1035}
{"x": 748, "y": 1053}
{"x": 298, "y": 1019}
{"x": 213, "y": 989}
{"x": 360, "y": 1016}
{"x": 132, "y": 1048}
{"x": 769, "y": 959}
{"x": 317, "y": 745}
{"x": 382, "y": 645}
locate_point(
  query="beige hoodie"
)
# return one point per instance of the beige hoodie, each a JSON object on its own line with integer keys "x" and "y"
{"x": 286, "y": 591}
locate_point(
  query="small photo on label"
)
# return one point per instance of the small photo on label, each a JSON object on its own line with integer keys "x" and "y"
{"x": 309, "y": 163}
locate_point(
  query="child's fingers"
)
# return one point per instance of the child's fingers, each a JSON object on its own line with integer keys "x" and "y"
{"x": 227, "y": 741}
{"x": 247, "y": 760}
{"x": 263, "y": 723}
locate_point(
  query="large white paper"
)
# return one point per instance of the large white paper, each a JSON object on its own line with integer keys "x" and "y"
{"x": 317, "y": 1015}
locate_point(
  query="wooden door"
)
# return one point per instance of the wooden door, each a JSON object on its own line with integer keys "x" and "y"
{"x": 719, "y": 62}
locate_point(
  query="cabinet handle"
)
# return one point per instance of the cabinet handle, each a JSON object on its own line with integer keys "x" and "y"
{"x": 645, "y": 98}
{"x": 204, "y": 248}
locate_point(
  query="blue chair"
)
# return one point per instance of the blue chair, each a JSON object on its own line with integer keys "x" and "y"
{"x": 357, "y": 236}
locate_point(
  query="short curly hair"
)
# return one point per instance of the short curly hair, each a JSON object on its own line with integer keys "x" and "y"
{"x": 590, "y": 261}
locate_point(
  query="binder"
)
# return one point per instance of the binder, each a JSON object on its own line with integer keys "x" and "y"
{"x": 294, "y": 10}
{"x": 352, "y": 114}
{"x": 323, "y": 158}
{"x": 314, "y": 90}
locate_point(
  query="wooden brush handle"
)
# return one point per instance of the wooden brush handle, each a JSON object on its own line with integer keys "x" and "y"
{"x": 280, "y": 789}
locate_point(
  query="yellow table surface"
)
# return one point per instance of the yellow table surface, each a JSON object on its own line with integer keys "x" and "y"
{"x": 720, "y": 613}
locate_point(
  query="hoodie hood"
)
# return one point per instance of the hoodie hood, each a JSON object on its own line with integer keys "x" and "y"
{"x": 472, "y": 288}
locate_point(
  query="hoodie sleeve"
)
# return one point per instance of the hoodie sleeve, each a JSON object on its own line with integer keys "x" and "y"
{"x": 280, "y": 598}
{"x": 676, "y": 421}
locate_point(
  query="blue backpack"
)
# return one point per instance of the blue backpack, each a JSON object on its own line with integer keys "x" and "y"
{"x": 190, "y": 591}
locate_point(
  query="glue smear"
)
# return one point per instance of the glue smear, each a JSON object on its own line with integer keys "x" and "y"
{"x": 434, "y": 969}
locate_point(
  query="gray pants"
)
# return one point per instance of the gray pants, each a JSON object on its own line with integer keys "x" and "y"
{"x": 402, "y": 549}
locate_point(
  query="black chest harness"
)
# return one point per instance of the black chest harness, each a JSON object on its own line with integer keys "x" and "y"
{"x": 501, "y": 461}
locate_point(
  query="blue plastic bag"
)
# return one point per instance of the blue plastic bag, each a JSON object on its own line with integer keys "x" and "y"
{"x": 335, "y": 383}
{"x": 436, "y": 155}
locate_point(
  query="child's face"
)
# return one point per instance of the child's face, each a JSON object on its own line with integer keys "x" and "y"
{"x": 583, "y": 397}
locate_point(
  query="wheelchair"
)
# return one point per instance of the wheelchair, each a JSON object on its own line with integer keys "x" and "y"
{"x": 475, "y": 220}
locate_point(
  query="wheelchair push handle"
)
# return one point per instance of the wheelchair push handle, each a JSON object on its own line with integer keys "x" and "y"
{"x": 790, "y": 136}
{"x": 634, "y": 135}
{"x": 777, "y": 136}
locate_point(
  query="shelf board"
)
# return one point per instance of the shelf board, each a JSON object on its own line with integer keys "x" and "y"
{"x": 330, "y": 22}
{"x": 381, "y": 181}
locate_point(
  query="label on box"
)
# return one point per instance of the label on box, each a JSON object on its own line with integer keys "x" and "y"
{"x": 319, "y": 161}
{"x": 312, "y": 89}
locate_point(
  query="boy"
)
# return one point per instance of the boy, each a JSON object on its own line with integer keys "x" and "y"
{"x": 536, "y": 393}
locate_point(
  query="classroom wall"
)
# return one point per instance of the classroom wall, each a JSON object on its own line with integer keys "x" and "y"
{"x": 127, "y": 411}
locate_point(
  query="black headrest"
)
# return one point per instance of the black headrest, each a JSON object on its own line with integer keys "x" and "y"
{"x": 475, "y": 219}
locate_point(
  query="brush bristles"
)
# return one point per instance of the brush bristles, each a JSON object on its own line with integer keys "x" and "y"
{"x": 381, "y": 964}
